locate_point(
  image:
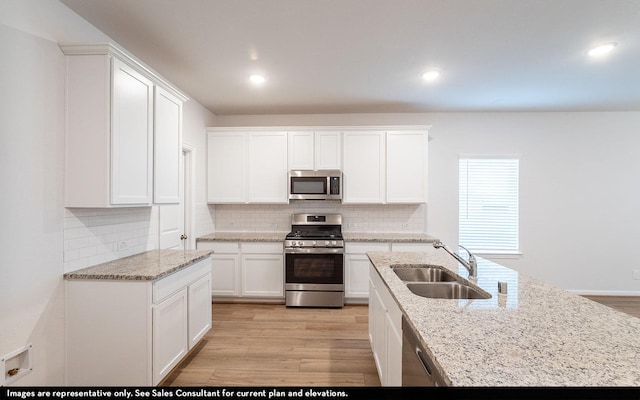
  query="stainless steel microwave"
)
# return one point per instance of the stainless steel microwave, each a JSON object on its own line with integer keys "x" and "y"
{"x": 315, "y": 185}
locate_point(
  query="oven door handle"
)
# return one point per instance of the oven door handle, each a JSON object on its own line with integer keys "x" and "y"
{"x": 314, "y": 250}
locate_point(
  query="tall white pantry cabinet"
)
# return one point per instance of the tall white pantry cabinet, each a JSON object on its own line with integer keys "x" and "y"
{"x": 123, "y": 131}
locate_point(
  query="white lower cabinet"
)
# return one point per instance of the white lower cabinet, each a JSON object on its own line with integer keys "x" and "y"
{"x": 134, "y": 332}
{"x": 246, "y": 269}
{"x": 170, "y": 323}
{"x": 385, "y": 331}
{"x": 357, "y": 269}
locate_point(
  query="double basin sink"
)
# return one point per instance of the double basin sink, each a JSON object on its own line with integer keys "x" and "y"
{"x": 434, "y": 281}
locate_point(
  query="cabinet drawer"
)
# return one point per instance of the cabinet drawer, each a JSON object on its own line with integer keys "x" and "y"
{"x": 262, "y": 247}
{"x": 220, "y": 247}
{"x": 176, "y": 281}
{"x": 362, "y": 248}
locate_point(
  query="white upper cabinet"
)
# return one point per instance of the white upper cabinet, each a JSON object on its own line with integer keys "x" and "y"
{"x": 167, "y": 147}
{"x": 267, "y": 167}
{"x": 110, "y": 131}
{"x": 385, "y": 166}
{"x": 364, "y": 167}
{"x": 247, "y": 167}
{"x": 226, "y": 167}
{"x": 407, "y": 166}
{"x": 310, "y": 150}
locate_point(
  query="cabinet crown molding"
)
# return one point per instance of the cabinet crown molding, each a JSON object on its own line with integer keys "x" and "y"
{"x": 108, "y": 49}
{"x": 321, "y": 128}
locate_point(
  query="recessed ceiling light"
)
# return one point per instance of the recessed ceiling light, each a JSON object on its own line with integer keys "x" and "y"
{"x": 257, "y": 79}
{"x": 431, "y": 75}
{"x": 602, "y": 49}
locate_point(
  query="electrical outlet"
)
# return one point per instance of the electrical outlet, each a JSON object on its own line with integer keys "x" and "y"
{"x": 636, "y": 274}
{"x": 351, "y": 226}
{"x": 123, "y": 245}
{"x": 405, "y": 226}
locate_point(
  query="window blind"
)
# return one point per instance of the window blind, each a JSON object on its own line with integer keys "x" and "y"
{"x": 488, "y": 204}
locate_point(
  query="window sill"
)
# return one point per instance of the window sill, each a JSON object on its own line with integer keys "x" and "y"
{"x": 502, "y": 255}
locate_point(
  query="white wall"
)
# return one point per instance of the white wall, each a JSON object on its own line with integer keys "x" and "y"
{"x": 31, "y": 162}
{"x": 38, "y": 237}
{"x": 579, "y": 185}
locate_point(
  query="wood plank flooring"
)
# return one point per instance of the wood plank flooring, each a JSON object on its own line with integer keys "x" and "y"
{"x": 272, "y": 345}
{"x": 626, "y": 304}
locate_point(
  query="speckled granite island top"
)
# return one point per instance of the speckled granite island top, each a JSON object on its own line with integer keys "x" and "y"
{"x": 535, "y": 335}
{"x": 147, "y": 266}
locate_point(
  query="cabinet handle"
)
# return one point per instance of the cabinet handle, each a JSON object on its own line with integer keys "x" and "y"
{"x": 183, "y": 237}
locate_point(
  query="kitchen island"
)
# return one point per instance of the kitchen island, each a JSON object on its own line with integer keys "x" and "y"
{"x": 535, "y": 335}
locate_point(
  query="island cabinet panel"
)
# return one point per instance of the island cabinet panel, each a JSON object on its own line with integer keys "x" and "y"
{"x": 134, "y": 332}
{"x": 385, "y": 331}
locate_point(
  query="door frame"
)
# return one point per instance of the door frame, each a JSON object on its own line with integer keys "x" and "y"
{"x": 187, "y": 174}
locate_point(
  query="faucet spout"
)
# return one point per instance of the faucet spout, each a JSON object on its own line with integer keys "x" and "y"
{"x": 471, "y": 265}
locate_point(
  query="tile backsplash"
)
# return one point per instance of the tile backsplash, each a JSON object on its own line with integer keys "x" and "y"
{"x": 356, "y": 218}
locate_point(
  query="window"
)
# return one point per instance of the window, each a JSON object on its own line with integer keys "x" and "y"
{"x": 488, "y": 204}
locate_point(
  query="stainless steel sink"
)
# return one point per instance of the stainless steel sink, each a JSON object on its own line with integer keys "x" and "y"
{"x": 423, "y": 273}
{"x": 447, "y": 290}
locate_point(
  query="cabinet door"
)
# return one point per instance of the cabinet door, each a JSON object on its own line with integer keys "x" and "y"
{"x": 169, "y": 334}
{"x": 166, "y": 147}
{"x": 356, "y": 276}
{"x": 364, "y": 162}
{"x": 267, "y": 165}
{"x": 199, "y": 302}
{"x": 226, "y": 167}
{"x": 263, "y": 275}
{"x": 301, "y": 150}
{"x": 394, "y": 352}
{"x": 225, "y": 279}
{"x": 328, "y": 150}
{"x": 378, "y": 332}
{"x": 131, "y": 136}
{"x": 407, "y": 167}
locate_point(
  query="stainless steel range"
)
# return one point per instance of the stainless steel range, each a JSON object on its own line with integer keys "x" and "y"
{"x": 314, "y": 261}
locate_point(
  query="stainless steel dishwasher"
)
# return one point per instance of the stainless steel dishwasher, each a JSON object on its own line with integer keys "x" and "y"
{"x": 417, "y": 368}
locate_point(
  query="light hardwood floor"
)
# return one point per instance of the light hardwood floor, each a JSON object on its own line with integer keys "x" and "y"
{"x": 271, "y": 345}
{"x": 626, "y": 304}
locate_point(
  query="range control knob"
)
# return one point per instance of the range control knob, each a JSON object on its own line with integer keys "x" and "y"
{"x": 300, "y": 243}
{"x": 314, "y": 243}
{"x": 326, "y": 243}
{"x": 333, "y": 243}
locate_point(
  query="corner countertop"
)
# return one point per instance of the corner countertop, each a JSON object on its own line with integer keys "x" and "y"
{"x": 397, "y": 237}
{"x": 535, "y": 335}
{"x": 147, "y": 266}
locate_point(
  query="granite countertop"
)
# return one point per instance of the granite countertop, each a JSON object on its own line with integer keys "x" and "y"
{"x": 398, "y": 237}
{"x": 243, "y": 237}
{"x": 147, "y": 266}
{"x": 535, "y": 335}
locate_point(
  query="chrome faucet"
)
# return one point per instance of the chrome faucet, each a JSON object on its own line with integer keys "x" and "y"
{"x": 471, "y": 265}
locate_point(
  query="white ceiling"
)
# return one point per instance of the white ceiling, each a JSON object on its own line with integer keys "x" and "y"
{"x": 352, "y": 56}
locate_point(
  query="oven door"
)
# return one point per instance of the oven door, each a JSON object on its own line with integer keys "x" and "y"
{"x": 314, "y": 269}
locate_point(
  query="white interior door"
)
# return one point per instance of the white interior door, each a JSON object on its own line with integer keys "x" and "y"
{"x": 175, "y": 219}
